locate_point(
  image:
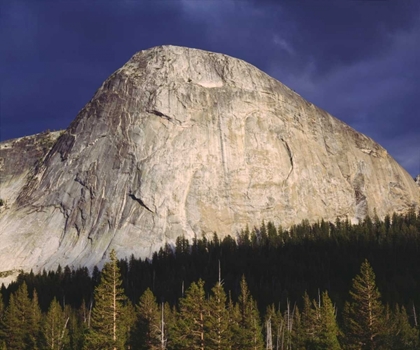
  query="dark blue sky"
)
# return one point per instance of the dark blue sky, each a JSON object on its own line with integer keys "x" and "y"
{"x": 358, "y": 60}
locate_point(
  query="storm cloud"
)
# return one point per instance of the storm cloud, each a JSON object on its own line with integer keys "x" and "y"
{"x": 358, "y": 60}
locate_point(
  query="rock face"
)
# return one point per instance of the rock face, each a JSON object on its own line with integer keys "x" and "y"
{"x": 181, "y": 141}
{"x": 18, "y": 161}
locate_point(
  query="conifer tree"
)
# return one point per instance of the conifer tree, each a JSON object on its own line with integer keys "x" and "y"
{"x": 219, "y": 335}
{"x": 77, "y": 326}
{"x": 168, "y": 322}
{"x": 2, "y": 332}
{"x": 18, "y": 319}
{"x": 328, "y": 330}
{"x": 34, "y": 330}
{"x": 274, "y": 328}
{"x": 54, "y": 329}
{"x": 292, "y": 327}
{"x": 109, "y": 322}
{"x": 263, "y": 234}
{"x": 14, "y": 324}
{"x": 268, "y": 330}
{"x": 364, "y": 314}
{"x": 296, "y": 336}
{"x": 277, "y": 324}
{"x": 148, "y": 330}
{"x": 234, "y": 317}
{"x": 403, "y": 335}
{"x": 249, "y": 333}
{"x": 310, "y": 320}
{"x": 272, "y": 234}
{"x": 316, "y": 328}
{"x": 189, "y": 331}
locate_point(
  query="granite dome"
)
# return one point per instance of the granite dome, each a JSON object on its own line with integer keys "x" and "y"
{"x": 182, "y": 141}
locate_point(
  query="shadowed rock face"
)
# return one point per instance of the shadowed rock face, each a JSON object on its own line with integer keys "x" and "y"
{"x": 187, "y": 142}
{"x": 19, "y": 159}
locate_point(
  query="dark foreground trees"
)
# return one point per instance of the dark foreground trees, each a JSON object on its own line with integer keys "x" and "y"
{"x": 111, "y": 315}
{"x": 263, "y": 310}
{"x": 368, "y": 325}
{"x": 190, "y": 331}
{"x": 217, "y": 323}
{"x": 364, "y": 315}
{"x": 248, "y": 333}
{"x": 55, "y": 327}
{"x": 22, "y": 319}
{"x": 206, "y": 321}
{"x": 149, "y": 328}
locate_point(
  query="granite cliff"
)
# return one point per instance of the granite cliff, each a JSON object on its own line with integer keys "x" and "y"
{"x": 181, "y": 141}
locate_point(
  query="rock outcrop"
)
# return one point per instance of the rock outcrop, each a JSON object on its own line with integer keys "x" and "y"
{"x": 181, "y": 141}
{"x": 18, "y": 160}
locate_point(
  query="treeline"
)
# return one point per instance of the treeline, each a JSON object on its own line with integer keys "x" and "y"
{"x": 202, "y": 321}
{"x": 280, "y": 267}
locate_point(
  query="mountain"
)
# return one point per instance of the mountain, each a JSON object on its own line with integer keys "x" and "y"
{"x": 182, "y": 141}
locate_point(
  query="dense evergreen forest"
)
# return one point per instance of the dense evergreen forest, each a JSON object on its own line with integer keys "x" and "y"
{"x": 320, "y": 286}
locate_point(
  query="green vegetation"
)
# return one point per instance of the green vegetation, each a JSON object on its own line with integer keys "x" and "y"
{"x": 8, "y": 273}
{"x": 321, "y": 286}
{"x": 46, "y": 141}
{"x": 54, "y": 327}
{"x": 110, "y": 321}
{"x": 364, "y": 315}
{"x": 1, "y": 202}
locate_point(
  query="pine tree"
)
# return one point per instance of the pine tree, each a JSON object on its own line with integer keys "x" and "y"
{"x": 14, "y": 327}
{"x": 77, "y": 326}
{"x": 296, "y": 336}
{"x": 328, "y": 331}
{"x": 54, "y": 329}
{"x": 234, "y": 317}
{"x": 272, "y": 235}
{"x": 148, "y": 330}
{"x": 109, "y": 328}
{"x": 403, "y": 335}
{"x": 310, "y": 320}
{"x": 249, "y": 333}
{"x": 2, "y": 325}
{"x": 18, "y": 324}
{"x": 168, "y": 322}
{"x": 274, "y": 326}
{"x": 275, "y": 321}
{"x": 364, "y": 314}
{"x": 316, "y": 328}
{"x": 34, "y": 330}
{"x": 217, "y": 323}
{"x": 190, "y": 331}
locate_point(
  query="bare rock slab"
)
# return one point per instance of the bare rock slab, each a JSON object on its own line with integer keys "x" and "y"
{"x": 181, "y": 141}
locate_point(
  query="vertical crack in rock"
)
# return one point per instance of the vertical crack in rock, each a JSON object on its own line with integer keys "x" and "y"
{"x": 138, "y": 200}
{"x": 222, "y": 145}
{"x": 224, "y": 158}
{"x": 289, "y": 152}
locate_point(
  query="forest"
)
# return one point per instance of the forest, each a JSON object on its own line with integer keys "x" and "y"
{"x": 312, "y": 286}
